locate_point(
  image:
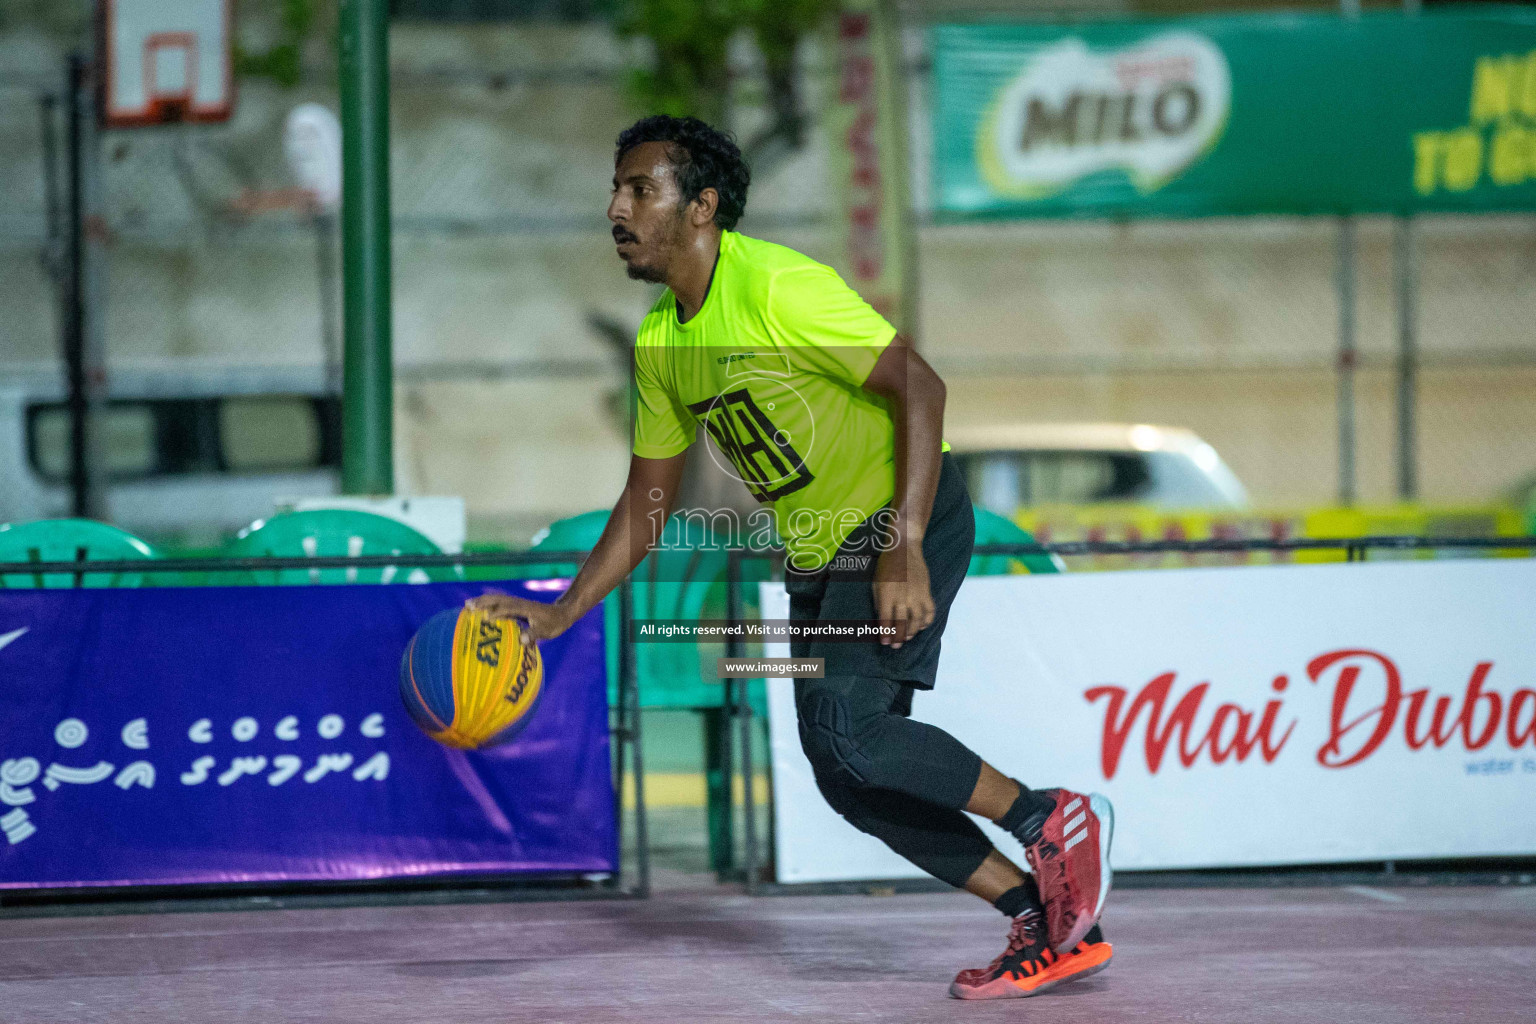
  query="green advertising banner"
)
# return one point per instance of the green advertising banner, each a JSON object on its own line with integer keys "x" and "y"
{"x": 1273, "y": 114}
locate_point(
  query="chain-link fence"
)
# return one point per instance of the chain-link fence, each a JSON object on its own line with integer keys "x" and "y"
{"x": 1231, "y": 328}
{"x": 511, "y": 315}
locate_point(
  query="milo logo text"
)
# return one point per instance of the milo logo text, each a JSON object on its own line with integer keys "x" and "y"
{"x": 1091, "y": 119}
{"x": 1150, "y": 110}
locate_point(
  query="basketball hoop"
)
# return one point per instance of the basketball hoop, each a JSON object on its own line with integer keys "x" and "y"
{"x": 167, "y": 61}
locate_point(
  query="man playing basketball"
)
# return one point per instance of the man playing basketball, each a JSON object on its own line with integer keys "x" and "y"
{"x": 830, "y": 415}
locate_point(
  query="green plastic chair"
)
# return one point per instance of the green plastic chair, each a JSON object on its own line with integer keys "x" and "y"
{"x": 992, "y": 528}
{"x": 70, "y": 540}
{"x": 574, "y": 533}
{"x": 331, "y": 533}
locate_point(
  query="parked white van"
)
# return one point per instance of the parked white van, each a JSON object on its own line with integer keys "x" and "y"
{"x": 1009, "y": 466}
{"x": 186, "y": 458}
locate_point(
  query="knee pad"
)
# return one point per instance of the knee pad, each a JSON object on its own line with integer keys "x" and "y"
{"x": 836, "y": 728}
{"x": 826, "y": 736}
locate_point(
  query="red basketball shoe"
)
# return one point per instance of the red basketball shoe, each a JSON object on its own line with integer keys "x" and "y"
{"x": 1068, "y": 850}
{"x": 1029, "y": 967}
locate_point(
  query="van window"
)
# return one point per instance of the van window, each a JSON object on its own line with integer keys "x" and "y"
{"x": 1004, "y": 481}
{"x": 126, "y": 441}
{"x": 269, "y": 432}
{"x": 147, "y": 438}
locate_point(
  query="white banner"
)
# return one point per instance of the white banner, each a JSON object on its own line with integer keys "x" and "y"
{"x": 1235, "y": 716}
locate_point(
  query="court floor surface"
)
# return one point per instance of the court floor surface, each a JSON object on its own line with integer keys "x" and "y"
{"x": 695, "y": 952}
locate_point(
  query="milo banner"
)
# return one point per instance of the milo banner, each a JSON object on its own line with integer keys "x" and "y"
{"x": 1273, "y": 114}
{"x": 215, "y": 735}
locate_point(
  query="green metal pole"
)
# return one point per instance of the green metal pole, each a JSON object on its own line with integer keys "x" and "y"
{"x": 367, "y": 461}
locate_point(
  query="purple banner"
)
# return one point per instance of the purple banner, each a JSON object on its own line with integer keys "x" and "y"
{"x": 237, "y": 734}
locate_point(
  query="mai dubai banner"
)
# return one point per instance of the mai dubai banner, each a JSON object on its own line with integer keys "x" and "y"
{"x": 1282, "y": 113}
{"x": 1236, "y": 716}
{"x": 236, "y": 734}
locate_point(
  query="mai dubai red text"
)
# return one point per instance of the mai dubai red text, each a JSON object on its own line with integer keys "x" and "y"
{"x": 1366, "y": 680}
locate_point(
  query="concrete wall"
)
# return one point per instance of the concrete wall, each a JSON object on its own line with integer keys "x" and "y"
{"x": 1231, "y": 327}
{"x": 502, "y": 149}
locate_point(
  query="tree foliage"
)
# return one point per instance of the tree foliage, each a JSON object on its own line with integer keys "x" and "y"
{"x": 690, "y": 40}
{"x": 293, "y": 23}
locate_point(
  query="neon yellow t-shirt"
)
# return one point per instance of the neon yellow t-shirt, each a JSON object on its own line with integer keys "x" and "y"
{"x": 773, "y": 366}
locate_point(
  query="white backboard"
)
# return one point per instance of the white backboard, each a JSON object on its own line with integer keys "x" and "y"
{"x": 167, "y": 61}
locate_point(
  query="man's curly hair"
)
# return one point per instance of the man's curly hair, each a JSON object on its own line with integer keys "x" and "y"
{"x": 703, "y": 157}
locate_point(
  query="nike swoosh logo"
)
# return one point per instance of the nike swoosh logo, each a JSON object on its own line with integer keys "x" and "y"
{"x": 14, "y": 634}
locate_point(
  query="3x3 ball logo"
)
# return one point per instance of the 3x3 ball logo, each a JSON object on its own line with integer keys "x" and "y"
{"x": 489, "y": 637}
{"x": 1151, "y": 110}
{"x": 488, "y": 642}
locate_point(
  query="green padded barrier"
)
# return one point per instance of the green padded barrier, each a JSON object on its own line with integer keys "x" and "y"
{"x": 326, "y": 533}
{"x": 992, "y": 528}
{"x": 70, "y": 540}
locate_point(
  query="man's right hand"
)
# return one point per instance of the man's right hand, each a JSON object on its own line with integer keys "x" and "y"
{"x": 544, "y": 621}
{"x": 646, "y": 499}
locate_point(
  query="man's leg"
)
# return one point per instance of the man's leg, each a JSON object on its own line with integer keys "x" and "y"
{"x": 856, "y": 730}
{"x": 939, "y": 839}
{"x": 857, "y": 735}
{"x": 944, "y": 843}
{"x": 948, "y": 845}
{"x": 853, "y": 737}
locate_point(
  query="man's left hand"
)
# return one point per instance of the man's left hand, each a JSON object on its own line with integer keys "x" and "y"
{"x": 902, "y": 594}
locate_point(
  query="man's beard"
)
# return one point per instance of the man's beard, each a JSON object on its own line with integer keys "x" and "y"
{"x": 655, "y": 273}
{"x": 645, "y": 272}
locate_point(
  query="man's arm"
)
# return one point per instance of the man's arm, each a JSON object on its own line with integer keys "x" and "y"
{"x": 916, "y": 394}
{"x": 635, "y": 524}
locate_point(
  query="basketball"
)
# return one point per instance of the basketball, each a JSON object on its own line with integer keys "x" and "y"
{"x": 470, "y": 681}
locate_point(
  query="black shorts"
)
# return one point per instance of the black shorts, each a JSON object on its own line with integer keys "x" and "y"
{"x": 842, "y": 590}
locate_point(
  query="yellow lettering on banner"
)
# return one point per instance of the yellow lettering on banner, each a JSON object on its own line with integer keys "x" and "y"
{"x": 1527, "y": 98}
{"x": 1510, "y": 157}
{"x": 1463, "y": 159}
{"x": 1494, "y": 81}
{"x": 1426, "y": 162}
